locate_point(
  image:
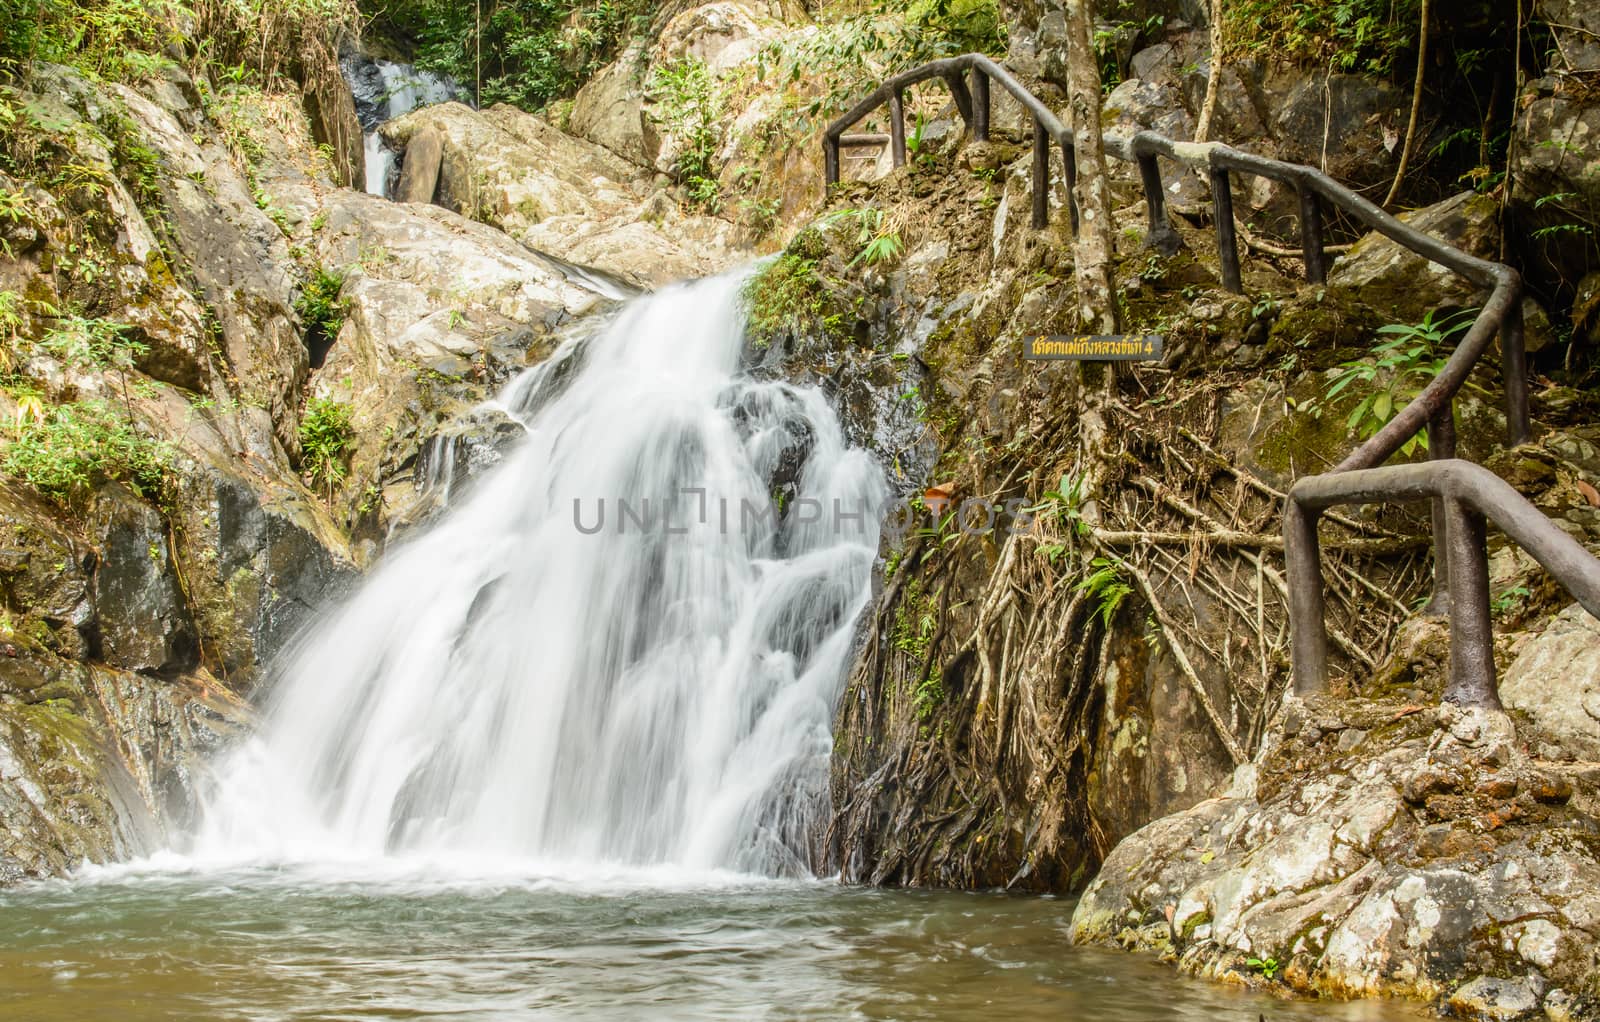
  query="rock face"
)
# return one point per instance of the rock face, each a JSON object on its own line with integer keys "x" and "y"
{"x": 1397, "y": 282}
{"x": 1555, "y": 680}
{"x": 563, "y": 195}
{"x": 1373, "y": 850}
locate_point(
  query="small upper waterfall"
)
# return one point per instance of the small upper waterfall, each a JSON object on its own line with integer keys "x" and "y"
{"x": 384, "y": 90}
{"x": 620, "y": 647}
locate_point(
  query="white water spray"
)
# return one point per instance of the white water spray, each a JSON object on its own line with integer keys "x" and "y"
{"x": 507, "y": 685}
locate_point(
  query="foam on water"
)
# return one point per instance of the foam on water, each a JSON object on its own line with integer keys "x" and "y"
{"x": 507, "y": 692}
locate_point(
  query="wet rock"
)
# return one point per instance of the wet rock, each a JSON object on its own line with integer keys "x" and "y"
{"x": 141, "y": 620}
{"x": 1490, "y": 998}
{"x": 1348, "y": 873}
{"x": 1555, "y": 680}
{"x": 99, "y": 765}
{"x": 1402, "y": 284}
{"x": 45, "y": 574}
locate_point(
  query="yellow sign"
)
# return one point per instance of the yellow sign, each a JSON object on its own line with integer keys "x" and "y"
{"x": 1099, "y": 348}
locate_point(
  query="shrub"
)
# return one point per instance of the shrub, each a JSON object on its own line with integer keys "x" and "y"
{"x": 524, "y": 52}
{"x": 689, "y": 104}
{"x": 71, "y": 449}
{"x": 325, "y": 437}
{"x": 787, "y": 295}
{"x": 321, "y": 311}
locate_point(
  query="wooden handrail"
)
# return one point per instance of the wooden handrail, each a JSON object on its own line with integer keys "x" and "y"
{"x": 1458, "y": 507}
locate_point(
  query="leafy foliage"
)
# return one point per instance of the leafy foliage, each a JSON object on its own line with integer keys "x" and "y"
{"x": 1106, "y": 587}
{"x": 321, "y": 310}
{"x": 524, "y": 52}
{"x": 876, "y": 242}
{"x": 70, "y": 449}
{"x": 690, "y": 106}
{"x": 787, "y": 295}
{"x": 1397, "y": 369}
{"x": 834, "y": 62}
{"x": 326, "y": 433}
{"x": 1343, "y": 35}
{"x": 111, "y": 38}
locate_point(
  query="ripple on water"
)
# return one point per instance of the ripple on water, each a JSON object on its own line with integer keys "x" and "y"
{"x": 336, "y": 941}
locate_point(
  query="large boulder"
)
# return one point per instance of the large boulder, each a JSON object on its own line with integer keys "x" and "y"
{"x": 609, "y": 111}
{"x": 1400, "y": 283}
{"x": 1370, "y": 851}
{"x": 722, "y": 35}
{"x": 236, "y": 256}
{"x": 1555, "y": 680}
{"x": 1556, "y": 182}
{"x": 98, "y": 765}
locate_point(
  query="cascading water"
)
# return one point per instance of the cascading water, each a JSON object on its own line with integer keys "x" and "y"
{"x": 615, "y": 649}
{"x": 384, "y": 90}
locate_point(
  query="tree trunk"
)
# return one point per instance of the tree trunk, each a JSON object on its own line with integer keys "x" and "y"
{"x": 1208, "y": 107}
{"x": 1097, "y": 309}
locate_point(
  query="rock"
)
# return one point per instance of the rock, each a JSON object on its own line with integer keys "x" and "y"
{"x": 1490, "y": 998}
{"x": 99, "y": 765}
{"x": 1398, "y": 282}
{"x": 141, "y": 620}
{"x": 609, "y": 111}
{"x": 723, "y": 35}
{"x": 1557, "y": 153}
{"x": 419, "y": 178}
{"x": 1331, "y": 868}
{"x": 1347, "y": 115}
{"x": 45, "y": 575}
{"x": 238, "y": 258}
{"x": 1575, "y": 26}
{"x": 260, "y": 560}
{"x": 1555, "y": 680}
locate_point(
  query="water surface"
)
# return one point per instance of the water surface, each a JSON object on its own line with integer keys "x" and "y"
{"x": 384, "y": 941}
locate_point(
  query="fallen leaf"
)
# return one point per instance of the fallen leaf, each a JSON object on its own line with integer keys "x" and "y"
{"x": 1590, "y": 494}
{"x": 938, "y": 496}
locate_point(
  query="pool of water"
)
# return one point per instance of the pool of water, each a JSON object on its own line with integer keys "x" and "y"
{"x": 391, "y": 941}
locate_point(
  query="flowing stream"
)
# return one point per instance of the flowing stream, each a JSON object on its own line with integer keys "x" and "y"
{"x": 564, "y": 756}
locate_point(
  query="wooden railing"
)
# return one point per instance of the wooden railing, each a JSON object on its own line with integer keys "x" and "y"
{"x": 1461, "y": 498}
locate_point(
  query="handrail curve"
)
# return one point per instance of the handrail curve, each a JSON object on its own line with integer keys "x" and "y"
{"x": 1463, "y": 494}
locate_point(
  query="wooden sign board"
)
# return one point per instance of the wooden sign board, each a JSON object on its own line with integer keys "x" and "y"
{"x": 1098, "y": 348}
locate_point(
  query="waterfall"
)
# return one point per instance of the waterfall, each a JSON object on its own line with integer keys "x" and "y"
{"x": 384, "y": 90}
{"x": 619, "y": 647}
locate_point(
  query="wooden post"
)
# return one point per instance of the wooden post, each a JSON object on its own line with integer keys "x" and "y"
{"x": 1311, "y": 244}
{"x": 1162, "y": 237}
{"x": 1308, "y": 631}
{"x": 1441, "y": 445}
{"x": 897, "y": 128}
{"x": 830, "y": 161}
{"x": 1472, "y": 676}
{"x": 958, "y": 92}
{"x": 1041, "y": 175}
{"x": 980, "y": 105}
{"x": 1069, "y": 157}
{"x": 1227, "y": 239}
{"x": 1514, "y": 367}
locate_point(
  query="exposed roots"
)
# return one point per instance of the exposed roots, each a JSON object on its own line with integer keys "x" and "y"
{"x": 983, "y": 751}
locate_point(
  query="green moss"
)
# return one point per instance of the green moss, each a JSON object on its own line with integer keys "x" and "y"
{"x": 789, "y": 296}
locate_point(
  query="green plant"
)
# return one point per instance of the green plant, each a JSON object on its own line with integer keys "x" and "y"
{"x": 1268, "y": 967}
{"x": 788, "y": 294}
{"x": 1063, "y": 504}
{"x": 1106, "y": 587}
{"x": 875, "y": 242}
{"x": 689, "y": 104}
{"x": 1398, "y": 369}
{"x": 97, "y": 344}
{"x": 70, "y": 449}
{"x": 320, "y": 308}
{"x": 1513, "y": 598}
{"x": 326, "y": 435}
